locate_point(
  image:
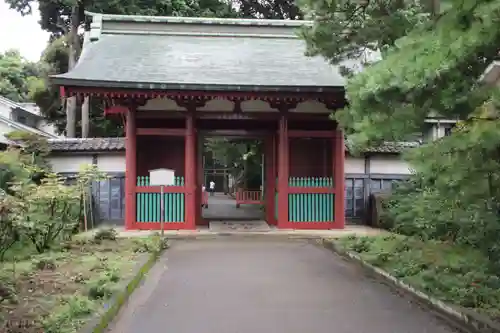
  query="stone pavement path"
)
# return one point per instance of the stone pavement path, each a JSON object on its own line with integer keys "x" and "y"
{"x": 265, "y": 286}
{"x": 223, "y": 207}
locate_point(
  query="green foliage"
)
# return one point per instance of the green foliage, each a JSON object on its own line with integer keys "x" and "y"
{"x": 348, "y": 29}
{"x": 153, "y": 244}
{"x": 46, "y": 212}
{"x": 242, "y": 157}
{"x": 105, "y": 234}
{"x": 432, "y": 71}
{"x": 32, "y": 145}
{"x": 67, "y": 318}
{"x": 17, "y": 76}
{"x": 455, "y": 274}
{"x": 454, "y": 195}
{"x": 41, "y": 210}
{"x": 9, "y": 234}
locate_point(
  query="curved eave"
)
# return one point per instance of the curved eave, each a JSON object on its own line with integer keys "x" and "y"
{"x": 66, "y": 82}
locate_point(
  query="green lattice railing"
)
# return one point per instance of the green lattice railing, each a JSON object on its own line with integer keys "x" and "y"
{"x": 148, "y": 203}
{"x": 307, "y": 206}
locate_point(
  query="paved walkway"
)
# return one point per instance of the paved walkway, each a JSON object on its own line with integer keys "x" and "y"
{"x": 259, "y": 286}
{"x": 223, "y": 207}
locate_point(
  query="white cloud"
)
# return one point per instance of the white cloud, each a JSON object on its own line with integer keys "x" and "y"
{"x": 22, "y": 33}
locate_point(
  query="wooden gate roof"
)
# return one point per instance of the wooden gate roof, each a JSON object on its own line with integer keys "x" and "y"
{"x": 152, "y": 53}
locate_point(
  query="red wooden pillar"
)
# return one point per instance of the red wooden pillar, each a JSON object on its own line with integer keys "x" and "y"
{"x": 190, "y": 173}
{"x": 270, "y": 179}
{"x": 283, "y": 170}
{"x": 339, "y": 178}
{"x": 130, "y": 170}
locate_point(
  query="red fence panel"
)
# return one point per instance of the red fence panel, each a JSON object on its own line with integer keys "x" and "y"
{"x": 244, "y": 197}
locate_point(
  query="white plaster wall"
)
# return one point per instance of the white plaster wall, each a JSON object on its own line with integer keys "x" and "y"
{"x": 161, "y": 104}
{"x": 5, "y": 111}
{"x": 311, "y": 106}
{"x": 255, "y": 105}
{"x": 115, "y": 162}
{"x": 69, "y": 162}
{"x": 218, "y": 105}
{"x": 354, "y": 165}
{"x": 111, "y": 162}
{"x": 389, "y": 164}
{"x": 4, "y": 129}
{"x": 44, "y": 126}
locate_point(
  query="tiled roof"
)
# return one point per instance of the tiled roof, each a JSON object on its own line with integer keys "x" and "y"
{"x": 392, "y": 147}
{"x": 118, "y": 144}
{"x": 87, "y": 145}
{"x": 193, "y": 54}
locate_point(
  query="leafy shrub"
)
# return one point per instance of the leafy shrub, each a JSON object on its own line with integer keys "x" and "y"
{"x": 103, "y": 287}
{"x": 9, "y": 234}
{"x": 378, "y": 216}
{"x": 7, "y": 289}
{"x": 45, "y": 264}
{"x": 152, "y": 244}
{"x": 47, "y": 211}
{"x": 106, "y": 234}
{"x": 67, "y": 317}
{"x": 100, "y": 290}
{"x": 360, "y": 245}
{"x": 452, "y": 273}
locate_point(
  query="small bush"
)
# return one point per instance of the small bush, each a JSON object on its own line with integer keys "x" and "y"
{"x": 361, "y": 245}
{"x": 106, "y": 234}
{"x": 68, "y": 316}
{"x": 454, "y": 274}
{"x": 151, "y": 244}
{"x": 378, "y": 216}
{"x": 44, "y": 264}
{"x": 100, "y": 290}
{"x": 7, "y": 290}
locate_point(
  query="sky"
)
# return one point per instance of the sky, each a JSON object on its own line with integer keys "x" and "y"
{"x": 21, "y": 33}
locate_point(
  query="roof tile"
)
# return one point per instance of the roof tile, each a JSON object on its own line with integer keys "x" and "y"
{"x": 87, "y": 145}
{"x": 118, "y": 144}
{"x": 201, "y": 62}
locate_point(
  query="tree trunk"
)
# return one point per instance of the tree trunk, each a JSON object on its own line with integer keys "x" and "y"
{"x": 433, "y": 7}
{"x": 85, "y": 117}
{"x": 74, "y": 48}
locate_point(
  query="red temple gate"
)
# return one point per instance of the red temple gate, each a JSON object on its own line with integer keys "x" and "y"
{"x": 166, "y": 105}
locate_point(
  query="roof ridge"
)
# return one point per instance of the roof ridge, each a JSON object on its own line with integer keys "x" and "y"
{"x": 200, "y": 20}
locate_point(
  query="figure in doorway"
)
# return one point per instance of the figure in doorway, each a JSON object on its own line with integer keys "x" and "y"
{"x": 212, "y": 187}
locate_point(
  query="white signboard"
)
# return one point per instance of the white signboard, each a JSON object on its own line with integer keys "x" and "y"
{"x": 159, "y": 177}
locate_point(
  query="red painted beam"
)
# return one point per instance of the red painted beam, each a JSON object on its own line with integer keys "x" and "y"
{"x": 157, "y": 189}
{"x": 131, "y": 171}
{"x": 270, "y": 179}
{"x": 335, "y": 95}
{"x": 283, "y": 173}
{"x": 236, "y": 133}
{"x": 190, "y": 172}
{"x": 314, "y": 190}
{"x": 212, "y": 115}
{"x": 320, "y": 225}
{"x": 116, "y": 109}
{"x": 339, "y": 178}
{"x": 157, "y": 225}
{"x": 310, "y": 134}
{"x": 161, "y": 131}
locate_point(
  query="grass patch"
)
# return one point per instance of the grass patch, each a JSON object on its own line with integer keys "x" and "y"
{"x": 59, "y": 291}
{"x": 454, "y": 274}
